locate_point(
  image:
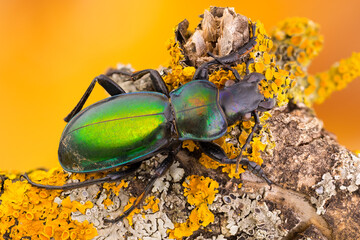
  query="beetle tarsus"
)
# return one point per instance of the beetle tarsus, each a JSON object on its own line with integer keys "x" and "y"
{"x": 216, "y": 153}
{"x": 256, "y": 169}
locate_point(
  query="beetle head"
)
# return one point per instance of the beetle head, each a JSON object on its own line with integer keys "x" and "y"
{"x": 266, "y": 104}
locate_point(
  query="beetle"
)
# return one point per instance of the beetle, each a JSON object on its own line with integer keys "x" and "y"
{"x": 128, "y": 128}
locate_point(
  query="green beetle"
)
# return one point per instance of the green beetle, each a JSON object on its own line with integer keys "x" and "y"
{"x": 127, "y": 128}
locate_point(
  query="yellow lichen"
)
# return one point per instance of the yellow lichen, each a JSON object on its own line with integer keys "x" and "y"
{"x": 150, "y": 203}
{"x": 107, "y": 202}
{"x": 200, "y": 192}
{"x": 190, "y": 145}
{"x": 208, "y": 162}
{"x": 301, "y": 38}
{"x": 130, "y": 216}
{"x": 27, "y": 211}
{"x": 336, "y": 78}
{"x": 297, "y": 42}
{"x": 199, "y": 189}
{"x": 115, "y": 187}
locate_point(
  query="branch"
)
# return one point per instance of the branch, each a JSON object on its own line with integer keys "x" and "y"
{"x": 316, "y": 181}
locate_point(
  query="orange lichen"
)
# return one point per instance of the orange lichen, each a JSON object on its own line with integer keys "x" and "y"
{"x": 200, "y": 192}
{"x": 175, "y": 53}
{"x": 107, "y": 202}
{"x": 150, "y": 204}
{"x": 28, "y": 211}
{"x": 115, "y": 187}
{"x": 131, "y": 215}
{"x": 301, "y": 38}
{"x": 178, "y": 74}
{"x": 336, "y": 78}
{"x": 297, "y": 42}
{"x": 190, "y": 145}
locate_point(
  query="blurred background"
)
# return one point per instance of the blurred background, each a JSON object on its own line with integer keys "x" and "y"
{"x": 51, "y": 50}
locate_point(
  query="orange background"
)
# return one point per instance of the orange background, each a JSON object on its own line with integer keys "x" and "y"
{"x": 51, "y": 50}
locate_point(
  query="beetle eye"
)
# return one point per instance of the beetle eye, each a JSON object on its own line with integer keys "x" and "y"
{"x": 228, "y": 83}
{"x": 246, "y": 117}
{"x": 254, "y": 77}
{"x": 267, "y": 104}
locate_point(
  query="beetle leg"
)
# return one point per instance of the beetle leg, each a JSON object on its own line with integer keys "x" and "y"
{"x": 109, "y": 85}
{"x": 156, "y": 79}
{"x": 202, "y": 72}
{"x": 256, "y": 169}
{"x": 248, "y": 65}
{"x": 215, "y": 152}
{"x": 249, "y": 138}
{"x": 159, "y": 171}
{"x": 111, "y": 177}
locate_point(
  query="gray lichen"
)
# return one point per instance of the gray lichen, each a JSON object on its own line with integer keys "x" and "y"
{"x": 247, "y": 215}
{"x": 147, "y": 225}
{"x": 344, "y": 176}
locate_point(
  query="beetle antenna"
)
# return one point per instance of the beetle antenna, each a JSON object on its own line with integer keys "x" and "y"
{"x": 111, "y": 177}
{"x": 226, "y": 66}
{"x": 238, "y": 161}
{"x": 249, "y": 138}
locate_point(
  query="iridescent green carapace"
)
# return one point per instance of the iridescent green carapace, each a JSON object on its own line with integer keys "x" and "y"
{"x": 115, "y": 131}
{"x": 198, "y": 115}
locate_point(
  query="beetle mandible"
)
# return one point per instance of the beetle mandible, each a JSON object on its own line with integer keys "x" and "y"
{"x": 128, "y": 128}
